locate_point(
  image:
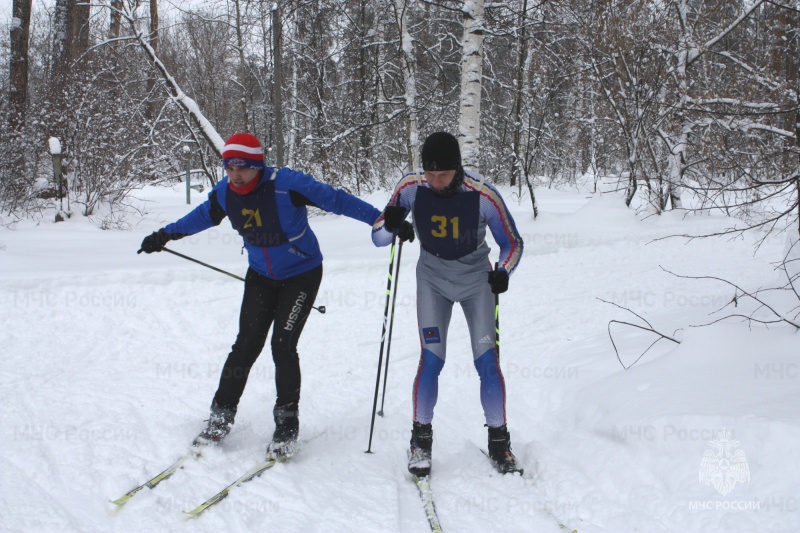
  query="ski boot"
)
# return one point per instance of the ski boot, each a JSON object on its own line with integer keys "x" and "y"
{"x": 287, "y": 426}
{"x": 500, "y": 451}
{"x": 219, "y": 425}
{"x": 419, "y": 454}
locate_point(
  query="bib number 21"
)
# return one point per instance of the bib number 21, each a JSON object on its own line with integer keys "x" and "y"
{"x": 252, "y": 216}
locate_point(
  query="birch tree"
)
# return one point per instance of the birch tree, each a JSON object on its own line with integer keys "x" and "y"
{"x": 469, "y": 117}
{"x": 679, "y": 123}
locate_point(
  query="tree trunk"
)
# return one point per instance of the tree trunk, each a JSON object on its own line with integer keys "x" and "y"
{"x": 61, "y": 45}
{"x": 242, "y": 69}
{"x": 18, "y": 88}
{"x": 70, "y": 41}
{"x": 677, "y": 150}
{"x": 522, "y": 59}
{"x": 115, "y": 19}
{"x": 277, "y": 82}
{"x": 154, "y": 25}
{"x": 362, "y": 162}
{"x": 151, "y": 106}
{"x": 469, "y": 123}
{"x": 319, "y": 53}
{"x": 792, "y": 66}
{"x": 298, "y": 37}
{"x": 79, "y": 32}
{"x": 408, "y": 70}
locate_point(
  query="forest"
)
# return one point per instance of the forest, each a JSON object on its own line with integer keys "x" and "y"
{"x": 689, "y": 104}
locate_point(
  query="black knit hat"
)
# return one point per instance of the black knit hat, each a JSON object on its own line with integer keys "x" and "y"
{"x": 441, "y": 152}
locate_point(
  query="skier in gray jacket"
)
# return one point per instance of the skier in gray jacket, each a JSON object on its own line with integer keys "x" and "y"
{"x": 451, "y": 208}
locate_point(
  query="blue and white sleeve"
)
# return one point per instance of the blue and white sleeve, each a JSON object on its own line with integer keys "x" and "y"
{"x": 403, "y": 196}
{"x": 502, "y": 226}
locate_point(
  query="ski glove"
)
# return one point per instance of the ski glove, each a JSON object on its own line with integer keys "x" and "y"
{"x": 394, "y": 221}
{"x": 406, "y": 232}
{"x": 393, "y": 217}
{"x": 498, "y": 279}
{"x": 155, "y": 242}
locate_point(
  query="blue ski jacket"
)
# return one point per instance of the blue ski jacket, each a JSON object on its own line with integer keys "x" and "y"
{"x": 273, "y": 220}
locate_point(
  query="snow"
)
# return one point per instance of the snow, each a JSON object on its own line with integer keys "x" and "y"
{"x": 55, "y": 145}
{"x": 111, "y": 359}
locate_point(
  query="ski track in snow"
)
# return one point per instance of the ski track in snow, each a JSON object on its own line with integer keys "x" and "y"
{"x": 110, "y": 360}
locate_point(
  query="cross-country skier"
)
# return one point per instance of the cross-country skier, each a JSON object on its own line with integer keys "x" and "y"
{"x": 267, "y": 206}
{"x": 451, "y": 208}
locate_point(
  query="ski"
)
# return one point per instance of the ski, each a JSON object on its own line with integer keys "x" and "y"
{"x": 520, "y": 471}
{"x": 564, "y": 528}
{"x": 153, "y": 482}
{"x": 251, "y": 474}
{"x": 426, "y": 495}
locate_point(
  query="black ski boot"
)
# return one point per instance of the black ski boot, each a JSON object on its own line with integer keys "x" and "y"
{"x": 500, "y": 451}
{"x": 419, "y": 455}
{"x": 287, "y": 426}
{"x": 219, "y": 425}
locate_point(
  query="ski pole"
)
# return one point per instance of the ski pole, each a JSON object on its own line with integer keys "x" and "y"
{"x": 497, "y": 317}
{"x": 204, "y": 264}
{"x": 391, "y": 325}
{"x": 321, "y": 308}
{"x": 383, "y": 338}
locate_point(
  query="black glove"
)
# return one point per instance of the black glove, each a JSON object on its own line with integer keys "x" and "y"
{"x": 155, "y": 242}
{"x": 498, "y": 279}
{"x": 406, "y": 232}
{"x": 393, "y": 217}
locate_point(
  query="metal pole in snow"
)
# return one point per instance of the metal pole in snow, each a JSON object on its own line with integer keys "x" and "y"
{"x": 188, "y": 153}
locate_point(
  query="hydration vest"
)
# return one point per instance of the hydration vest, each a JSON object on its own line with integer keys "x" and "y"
{"x": 255, "y": 216}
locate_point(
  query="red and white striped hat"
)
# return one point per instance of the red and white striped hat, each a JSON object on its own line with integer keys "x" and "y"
{"x": 243, "y": 150}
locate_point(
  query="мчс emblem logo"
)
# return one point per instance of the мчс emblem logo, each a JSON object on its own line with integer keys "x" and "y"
{"x": 723, "y": 466}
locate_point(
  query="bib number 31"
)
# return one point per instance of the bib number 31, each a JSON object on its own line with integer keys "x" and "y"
{"x": 442, "y": 225}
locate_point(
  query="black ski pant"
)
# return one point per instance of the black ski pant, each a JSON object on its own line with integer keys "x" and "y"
{"x": 284, "y": 304}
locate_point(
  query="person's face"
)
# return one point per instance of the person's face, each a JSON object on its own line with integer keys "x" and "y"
{"x": 240, "y": 176}
{"x": 439, "y": 179}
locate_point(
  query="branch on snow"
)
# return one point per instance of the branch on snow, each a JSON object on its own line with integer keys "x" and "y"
{"x": 649, "y": 328}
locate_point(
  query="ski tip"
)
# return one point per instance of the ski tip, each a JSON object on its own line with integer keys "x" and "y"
{"x": 119, "y": 502}
{"x": 197, "y": 511}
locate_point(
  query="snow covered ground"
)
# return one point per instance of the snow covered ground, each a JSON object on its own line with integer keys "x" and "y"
{"x": 110, "y": 360}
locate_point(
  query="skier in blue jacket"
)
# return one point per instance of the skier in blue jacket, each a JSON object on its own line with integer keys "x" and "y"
{"x": 452, "y": 208}
{"x": 267, "y": 206}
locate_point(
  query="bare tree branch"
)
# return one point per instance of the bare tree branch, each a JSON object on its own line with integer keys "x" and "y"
{"x": 651, "y": 329}
{"x": 744, "y": 294}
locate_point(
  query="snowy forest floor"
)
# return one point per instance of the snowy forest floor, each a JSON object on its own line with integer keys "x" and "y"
{"x": 110, "y": 360}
